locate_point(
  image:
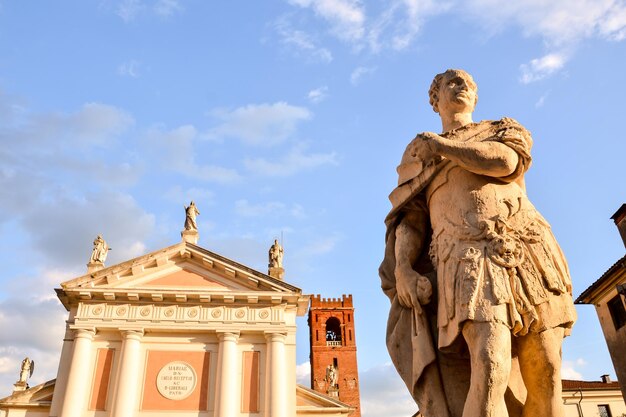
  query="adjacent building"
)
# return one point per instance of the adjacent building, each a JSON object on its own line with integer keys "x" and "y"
{"x": 608, "y": 294}
{"x": 593, "y": 398}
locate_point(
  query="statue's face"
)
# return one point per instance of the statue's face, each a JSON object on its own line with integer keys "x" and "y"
{"x": 456, "y": 93}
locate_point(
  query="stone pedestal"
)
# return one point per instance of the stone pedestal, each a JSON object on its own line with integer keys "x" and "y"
{"x": 277, "y": 273}
{"x": 333, "y": 392}
{"x": 190, "y": 236}
{"x": 20, "y": 386}
{"x": 94, "y": 266}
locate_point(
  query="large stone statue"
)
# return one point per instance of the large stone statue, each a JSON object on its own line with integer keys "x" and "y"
{"x": 191, "y": 212}
{"x": 100, "y": 250}
{"x": 480, "y": 291}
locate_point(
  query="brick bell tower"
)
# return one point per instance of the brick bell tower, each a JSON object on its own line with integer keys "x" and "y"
{"x": 333, "y": 350}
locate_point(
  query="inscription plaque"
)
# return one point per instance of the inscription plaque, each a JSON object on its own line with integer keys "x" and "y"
{"x": 176, "y": 380}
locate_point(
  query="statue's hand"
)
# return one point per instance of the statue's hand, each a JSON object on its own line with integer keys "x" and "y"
{"x": 413, "y": 289}
{"x": 433, "y": 141}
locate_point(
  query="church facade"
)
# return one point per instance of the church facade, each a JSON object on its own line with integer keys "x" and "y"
{"x": 180, "y": 331}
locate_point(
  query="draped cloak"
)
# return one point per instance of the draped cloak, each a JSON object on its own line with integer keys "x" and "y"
{"x": 513, "y": 262}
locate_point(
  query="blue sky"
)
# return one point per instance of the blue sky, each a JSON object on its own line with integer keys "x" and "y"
{"x": 286, "y": 117}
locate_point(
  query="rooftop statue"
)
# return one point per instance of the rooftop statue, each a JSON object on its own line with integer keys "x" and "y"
{"x": 276, "y": 253}
{"x": 26, "y": 370}
{"x": 190, "y": 217}
{"x": 100, "y": 250}
{"x": 480, "y": 291}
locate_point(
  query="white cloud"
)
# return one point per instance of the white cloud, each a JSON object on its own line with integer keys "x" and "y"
{"x": 346, "y": 17}
{"x": 318, "y": 95}
{"x": 293, "y": 162}
{"x": 398, "y": 25}
{"x": 303, "y": 373}
{"x": 569, "y": 371}
{"x": 271, "y": 208}
{"x": 179, "y": 195}
{"x": 301, "y": 42}
{"x": 561, "y": 24}
{"x": 167, "y": 7}
{"x": 175, "y": 151}
{"x": 129, "y": 69}
{"x": 62, "y": 227}
{"x": 383, "y": 394}
{"x": 357, "y": 75}
{"x": 260, "y": 124}
{"x": 540, "y": 68}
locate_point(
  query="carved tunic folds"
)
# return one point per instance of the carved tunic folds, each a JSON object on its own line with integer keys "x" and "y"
{"x": 495, "y": 256}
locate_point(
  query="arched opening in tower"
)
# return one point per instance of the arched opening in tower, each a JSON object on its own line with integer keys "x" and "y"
{"x": 333, "y": 331}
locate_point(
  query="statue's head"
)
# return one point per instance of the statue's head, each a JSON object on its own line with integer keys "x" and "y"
{"x": 446, "y": 79}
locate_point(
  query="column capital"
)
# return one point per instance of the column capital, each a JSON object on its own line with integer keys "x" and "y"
{"x": 134, "y": 334}
{"x": 228, "y": 336}
{"x": 275, "y": 336}
{"x": 84, "y": 333}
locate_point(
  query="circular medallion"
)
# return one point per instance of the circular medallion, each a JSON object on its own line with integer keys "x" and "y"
{"x": 264, "y": 314}
{"x": 145, "y": 311}
{"x": 169, "y": 312}
{"x": 240, "y": 314}
{"x": 216, "y": 313}
{"x": 176, "y": 380}
{"x": 192, "y": 313}
{"x": 121, "y": 311}
{"x": 97, "y": 310}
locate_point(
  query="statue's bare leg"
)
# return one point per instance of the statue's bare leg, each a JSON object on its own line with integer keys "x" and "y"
{"x": 490, "y": 356}
{"x": 540, "y": 364}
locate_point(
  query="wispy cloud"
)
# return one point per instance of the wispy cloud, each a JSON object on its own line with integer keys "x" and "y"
{"x": 301, "y": 42}
{"x": 129, "y": 69}
{"x": 259, "y": 124}
{"x": 569, "y": 369}
{"x": 561, "y": 24}
{"x": 271, "y": 208}
{"x": 357, "y": 75}
{"x": 346, "y": 17}
{"x": 296, "y": 160}
{"x": 383, "y": 393}
{"x": 318, "y": 95}
{"x": 303, "y": 373}
{"x": 543, "y": 67}
{"x": 175, "y": 150}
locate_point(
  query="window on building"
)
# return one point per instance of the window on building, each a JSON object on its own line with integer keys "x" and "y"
{"x": 604, "y": 410}
{"x": 618, "y": 313}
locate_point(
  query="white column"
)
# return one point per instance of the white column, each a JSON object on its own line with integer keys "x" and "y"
{"x": 78, "y": 381}
{"x": 278, "y": 400}
{"x": 128, "y": 374}
{"x": 229, "y": 378}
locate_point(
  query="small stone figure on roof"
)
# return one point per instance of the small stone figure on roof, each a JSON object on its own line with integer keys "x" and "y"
{"x": 276, "y": 255}
{"x": 100, "y": 250}
{"x": 190, "y": 217}
{"x": 26, "y": 370}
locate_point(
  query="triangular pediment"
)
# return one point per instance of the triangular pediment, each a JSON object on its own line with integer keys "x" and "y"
{"x": 311, "y": 402}
{"x": 185, "y": 270}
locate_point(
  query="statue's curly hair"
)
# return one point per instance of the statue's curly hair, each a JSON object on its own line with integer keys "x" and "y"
{"x": 433, "y": 92}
